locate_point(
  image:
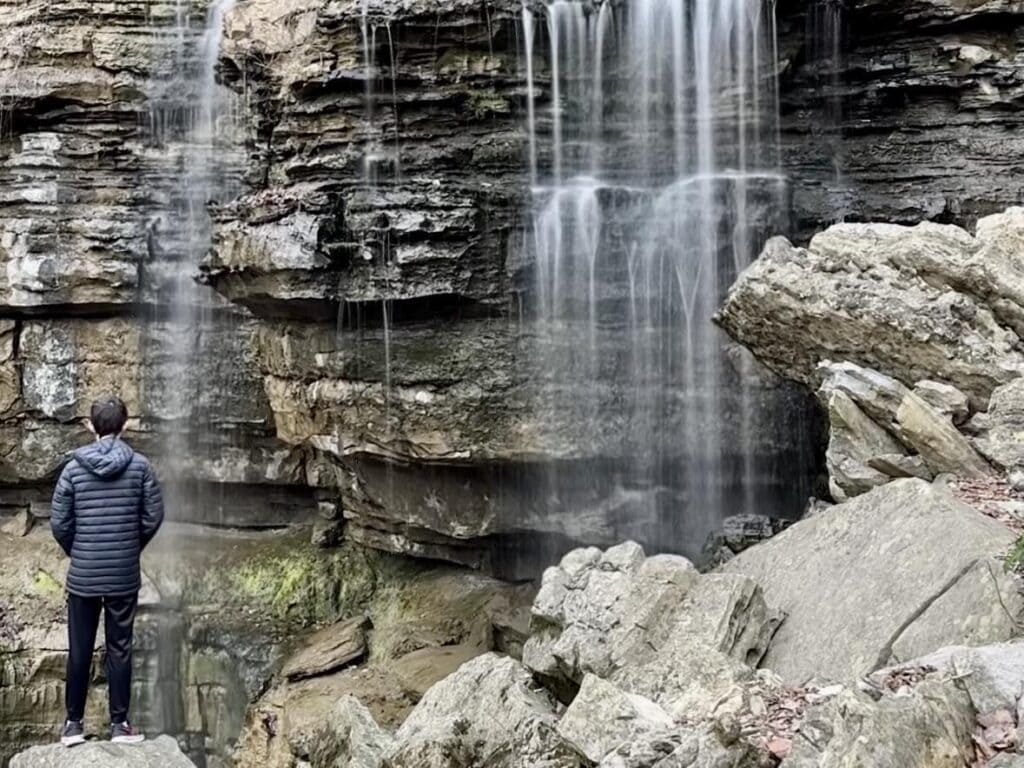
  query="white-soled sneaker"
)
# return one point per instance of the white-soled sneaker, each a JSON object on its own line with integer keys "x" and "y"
{"x": 72, "y": 733}
{"x": 124, "y": 733}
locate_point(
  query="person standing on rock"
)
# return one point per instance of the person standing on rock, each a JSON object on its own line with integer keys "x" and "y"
{"x": 106, "y": 508}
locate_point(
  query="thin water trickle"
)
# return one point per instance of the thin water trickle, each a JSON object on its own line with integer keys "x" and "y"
{"x": 663, "y": 180}
{"x": 826, "y": 27}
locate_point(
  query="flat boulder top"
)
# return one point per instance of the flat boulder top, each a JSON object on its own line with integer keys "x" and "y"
{"x": 895, "y": 573}
{"x": 161, "y": 752}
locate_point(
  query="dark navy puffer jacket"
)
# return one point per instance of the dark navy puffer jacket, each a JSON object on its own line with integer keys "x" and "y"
{"x": 106, "y": 507}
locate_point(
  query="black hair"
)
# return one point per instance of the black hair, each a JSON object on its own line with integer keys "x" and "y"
{"x": 108, "y": 415}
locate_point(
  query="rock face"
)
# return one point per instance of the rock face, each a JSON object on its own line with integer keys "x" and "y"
{"x": 880, "y": 579}
{"x": 162, "y": 752}
{"x": 385, "y": 186}
{"x": 909, "y": 121}
{"x": 88, "y": 248}
{"x": 387, "y": 267}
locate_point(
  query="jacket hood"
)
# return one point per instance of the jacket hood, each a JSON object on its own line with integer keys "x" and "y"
{"x": 105, "y": 458}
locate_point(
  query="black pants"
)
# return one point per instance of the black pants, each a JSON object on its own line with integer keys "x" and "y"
{"x": 118, "y": 626}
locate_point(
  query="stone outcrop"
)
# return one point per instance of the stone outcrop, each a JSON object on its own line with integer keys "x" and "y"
{"x": 162, "y": 752}
{"x": 880, "y": 579}
{"x": 204, "y": 651}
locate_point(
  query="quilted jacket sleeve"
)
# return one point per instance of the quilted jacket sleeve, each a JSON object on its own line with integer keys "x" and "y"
{"x": 62, "y": 511}
{"x": 152, "y": 506}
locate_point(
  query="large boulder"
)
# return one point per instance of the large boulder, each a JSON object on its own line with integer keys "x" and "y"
{"x": 652, "y": 625}
{"x": 883, "y": 577}
{"x": 489, "y": 712}
{"x": 161, "y": 752}
{"x": 924, "y": 302}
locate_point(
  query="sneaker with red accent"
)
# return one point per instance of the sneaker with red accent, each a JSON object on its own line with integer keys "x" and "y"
{"x": 73, "y": 733}
{"x": 124, "y": 733}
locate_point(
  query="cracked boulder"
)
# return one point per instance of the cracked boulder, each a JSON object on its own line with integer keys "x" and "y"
{"x": 924, "y": 302}
{"x": 991, "y": 675}
{"x": 651, "y": 625}
{"x": 883, "y": 578}
{"x": 930, "y": 727}
{"x": 879, "y": 429}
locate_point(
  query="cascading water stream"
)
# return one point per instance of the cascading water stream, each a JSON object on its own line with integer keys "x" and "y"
{"x": 192, "y": 129}
{"x": 197, "y": 160}
{"x": 655, "y": 169}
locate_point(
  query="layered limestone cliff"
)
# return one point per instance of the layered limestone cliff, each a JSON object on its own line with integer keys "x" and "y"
{"x": 900, "y": 111}
{"x": 89, "y": 241}
{"x": 375, "y": 354}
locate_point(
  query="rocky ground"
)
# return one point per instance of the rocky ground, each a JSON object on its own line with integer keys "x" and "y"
{"x": 222, "y": 612}
{"x": 631, "y": 660}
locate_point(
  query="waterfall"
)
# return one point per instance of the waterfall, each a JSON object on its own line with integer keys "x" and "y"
{"x": 196, "y": 159}
{"x": 199, "y": 159}
{"x": 653, "y": 151}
